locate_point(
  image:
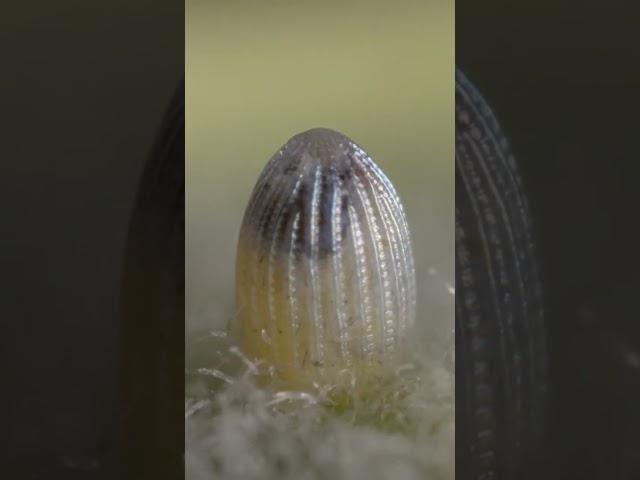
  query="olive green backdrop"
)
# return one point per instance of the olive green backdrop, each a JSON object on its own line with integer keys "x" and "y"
{"x": 259, "y": 72}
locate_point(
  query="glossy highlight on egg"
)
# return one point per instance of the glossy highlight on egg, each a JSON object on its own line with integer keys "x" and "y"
{"x": 325, "y": 282}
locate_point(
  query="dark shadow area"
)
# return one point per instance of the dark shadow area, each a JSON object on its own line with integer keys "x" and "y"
{"x": 83, "y": 92}
{"x": 151, "y": 332}
{"x": 564, "y": 81}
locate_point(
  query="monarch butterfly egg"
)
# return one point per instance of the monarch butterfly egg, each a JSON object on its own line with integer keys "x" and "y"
{"x": 325, "y": 282}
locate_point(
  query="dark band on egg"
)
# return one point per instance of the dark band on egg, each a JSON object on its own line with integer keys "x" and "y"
{"x": 288, "y": 190}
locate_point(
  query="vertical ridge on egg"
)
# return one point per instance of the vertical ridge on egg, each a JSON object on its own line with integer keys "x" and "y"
{"x": 325, "y": 282}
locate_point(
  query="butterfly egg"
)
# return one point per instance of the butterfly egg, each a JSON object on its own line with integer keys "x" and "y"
{"x": 325, "y": 282}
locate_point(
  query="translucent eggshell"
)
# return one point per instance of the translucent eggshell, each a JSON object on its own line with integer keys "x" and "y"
{"x": 325, "y": 282}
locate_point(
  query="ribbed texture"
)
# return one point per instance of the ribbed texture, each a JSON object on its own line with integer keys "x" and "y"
{"x": 325, "y": 277}
{"x": 500, "y": 353}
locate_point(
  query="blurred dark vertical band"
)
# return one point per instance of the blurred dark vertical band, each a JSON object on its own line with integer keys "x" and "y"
{"x": 83, "y": 90}
{"x": 152, "y": 322}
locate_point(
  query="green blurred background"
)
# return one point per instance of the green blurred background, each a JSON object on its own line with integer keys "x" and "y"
{"x": 259, "y": 72}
